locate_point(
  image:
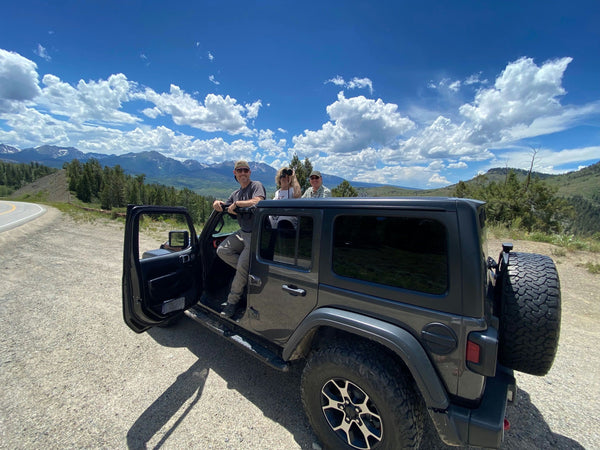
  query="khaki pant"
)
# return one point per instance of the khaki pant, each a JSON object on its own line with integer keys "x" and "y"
{"x": 235, "y": 251}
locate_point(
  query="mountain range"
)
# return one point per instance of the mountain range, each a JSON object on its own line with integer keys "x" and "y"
{"x": 205, "y": 179}
{"x": 217, "y": 179}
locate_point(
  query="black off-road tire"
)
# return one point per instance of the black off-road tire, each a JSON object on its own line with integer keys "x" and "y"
{"x": 529, "y": 313}
{"x": 381, "y": 399}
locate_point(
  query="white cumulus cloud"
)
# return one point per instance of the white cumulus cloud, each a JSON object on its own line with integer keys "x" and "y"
{"x": 218, "y": 113}
{"x": 356, "y": 123}
{"x": 272, "y": 147}
{"x": 521, "y": 94}
{"x": 93, "y": 101}
{"x": 18, "y": 79}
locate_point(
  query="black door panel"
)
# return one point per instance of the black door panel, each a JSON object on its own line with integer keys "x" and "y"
{"x": 160, "y": 281}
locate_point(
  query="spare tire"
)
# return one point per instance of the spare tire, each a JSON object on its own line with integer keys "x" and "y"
{"x": 529, "y": 313}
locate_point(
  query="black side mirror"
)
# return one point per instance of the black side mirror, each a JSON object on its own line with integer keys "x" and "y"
{"x": 179, "y": 239}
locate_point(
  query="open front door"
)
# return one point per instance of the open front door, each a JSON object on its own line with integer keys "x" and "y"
{"x": 162, "y": 273}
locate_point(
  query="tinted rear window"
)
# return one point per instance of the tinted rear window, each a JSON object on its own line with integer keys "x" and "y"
{"x": 402, "y": 252}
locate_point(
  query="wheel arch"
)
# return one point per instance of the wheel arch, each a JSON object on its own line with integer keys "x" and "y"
{"x": 396, "y": 339}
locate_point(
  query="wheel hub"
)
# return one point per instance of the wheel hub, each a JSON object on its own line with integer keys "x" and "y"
{"x": 351, "y": 414}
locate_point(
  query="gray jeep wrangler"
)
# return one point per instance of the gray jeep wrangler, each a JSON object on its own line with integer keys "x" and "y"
{"x": 392, "y": 306}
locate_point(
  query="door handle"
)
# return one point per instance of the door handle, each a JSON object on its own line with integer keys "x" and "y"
{"x": 254, "y": 280}
{"x": 295, "y": 291}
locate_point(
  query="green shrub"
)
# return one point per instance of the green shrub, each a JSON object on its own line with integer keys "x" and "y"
{"x": 592, "y": 267}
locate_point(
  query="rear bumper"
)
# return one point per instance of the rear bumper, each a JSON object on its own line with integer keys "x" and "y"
{"x": 482, "y": 426}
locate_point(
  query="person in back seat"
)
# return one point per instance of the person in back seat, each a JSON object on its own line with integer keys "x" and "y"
{"x": 287, "y": 183}
{"x": 288, "y": 188}
{"x": 316, "y": 189}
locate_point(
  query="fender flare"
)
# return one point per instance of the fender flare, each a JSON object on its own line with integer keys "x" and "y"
{"x": 397, "y": 339}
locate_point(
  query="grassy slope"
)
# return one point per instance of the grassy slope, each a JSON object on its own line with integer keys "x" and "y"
{"x": 584, "y": 182}
{"x": 52, "y": 188}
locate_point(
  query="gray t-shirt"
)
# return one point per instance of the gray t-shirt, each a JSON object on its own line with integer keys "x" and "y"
{"x": 254, "y": 189}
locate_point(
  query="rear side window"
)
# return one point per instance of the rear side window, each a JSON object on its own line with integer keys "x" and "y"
{"x": 402, "y": 252}
{"x": 287, "y": 240}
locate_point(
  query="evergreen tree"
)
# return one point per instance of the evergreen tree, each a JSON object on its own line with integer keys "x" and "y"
{"x": 461, "y": 190}
{"x": 74, "y": 172}
{"x": 344, "y": 189}
{"x": 16, "y": 175}
{"x": 133, "y": 192}
{"x": 83, "y": 189}
{"x": 531, "y": 204}
{"x": 302, "y": 170}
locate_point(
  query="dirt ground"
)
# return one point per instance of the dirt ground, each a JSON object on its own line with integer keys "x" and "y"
{"x": 74, "y": 376}
{"x": 568, "y": 397}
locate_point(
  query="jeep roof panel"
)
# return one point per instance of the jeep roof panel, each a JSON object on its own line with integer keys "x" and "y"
{"x": 439, "y": 203}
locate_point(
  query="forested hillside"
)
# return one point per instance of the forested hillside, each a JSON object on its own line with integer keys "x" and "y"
{"x": 15, "y": 176}
{"x": 552, "y": 203}
{"x": 112, "y": 188}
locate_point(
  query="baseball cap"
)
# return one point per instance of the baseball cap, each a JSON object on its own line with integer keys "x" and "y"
{"x": 315, "y": 173}
{"x": 241, "y": 163}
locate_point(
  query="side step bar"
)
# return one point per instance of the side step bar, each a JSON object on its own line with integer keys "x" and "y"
{"x": 251, "y": 346}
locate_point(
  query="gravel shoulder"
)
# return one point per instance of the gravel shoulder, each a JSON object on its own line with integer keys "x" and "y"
{"x": 74, "y": 375}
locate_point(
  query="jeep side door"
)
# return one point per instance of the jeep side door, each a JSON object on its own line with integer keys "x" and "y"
{"x": 283, "y": 281}
{"x": 160, "y": 279}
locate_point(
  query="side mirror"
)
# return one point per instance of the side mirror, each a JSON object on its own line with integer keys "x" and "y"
{"x": 179, "y": 239}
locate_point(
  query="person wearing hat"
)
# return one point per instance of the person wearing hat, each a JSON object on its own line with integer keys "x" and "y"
{"x": 317, "y": 190}
{"x": 235, "y": 250}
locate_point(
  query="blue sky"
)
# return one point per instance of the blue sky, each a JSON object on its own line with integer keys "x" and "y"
{"x": 419, "y": 94}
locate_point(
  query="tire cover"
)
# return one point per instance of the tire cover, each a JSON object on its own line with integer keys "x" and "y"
{"x": 529, "y": 313}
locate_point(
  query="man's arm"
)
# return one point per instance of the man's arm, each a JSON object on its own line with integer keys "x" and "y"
{"x": 258, "y": 193}
{"x": 248, "y": 203}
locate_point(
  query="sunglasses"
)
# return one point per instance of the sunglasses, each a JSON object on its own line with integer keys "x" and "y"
{"x": 314, "y": 177}
{"x": 243, "y": 170}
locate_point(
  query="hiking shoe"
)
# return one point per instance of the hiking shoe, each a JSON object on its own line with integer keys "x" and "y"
{"x": 229, "y": 310}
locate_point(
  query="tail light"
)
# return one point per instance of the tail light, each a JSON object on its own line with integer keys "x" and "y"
{"x": 473, "y": 352}
{"x": 482, "y": 351}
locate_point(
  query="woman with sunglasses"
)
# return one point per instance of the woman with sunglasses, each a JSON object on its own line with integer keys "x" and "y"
{"x": 287, "y": 184}
{"x": 288, "y": 188}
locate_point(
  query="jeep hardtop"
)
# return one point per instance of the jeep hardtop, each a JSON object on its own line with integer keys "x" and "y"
{"x": 392, "y": 306}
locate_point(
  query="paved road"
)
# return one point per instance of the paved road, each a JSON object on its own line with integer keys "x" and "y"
{"x": 14, "y": 214}
{"x": 72, "y": 374}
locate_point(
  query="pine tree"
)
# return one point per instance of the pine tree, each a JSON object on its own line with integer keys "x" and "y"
{"x": 302, "y": 170}
{"x": 344, "y": 189}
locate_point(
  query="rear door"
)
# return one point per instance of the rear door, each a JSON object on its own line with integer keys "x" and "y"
{"x": 283, "y": 282}
{"x": 160, "y": 280}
